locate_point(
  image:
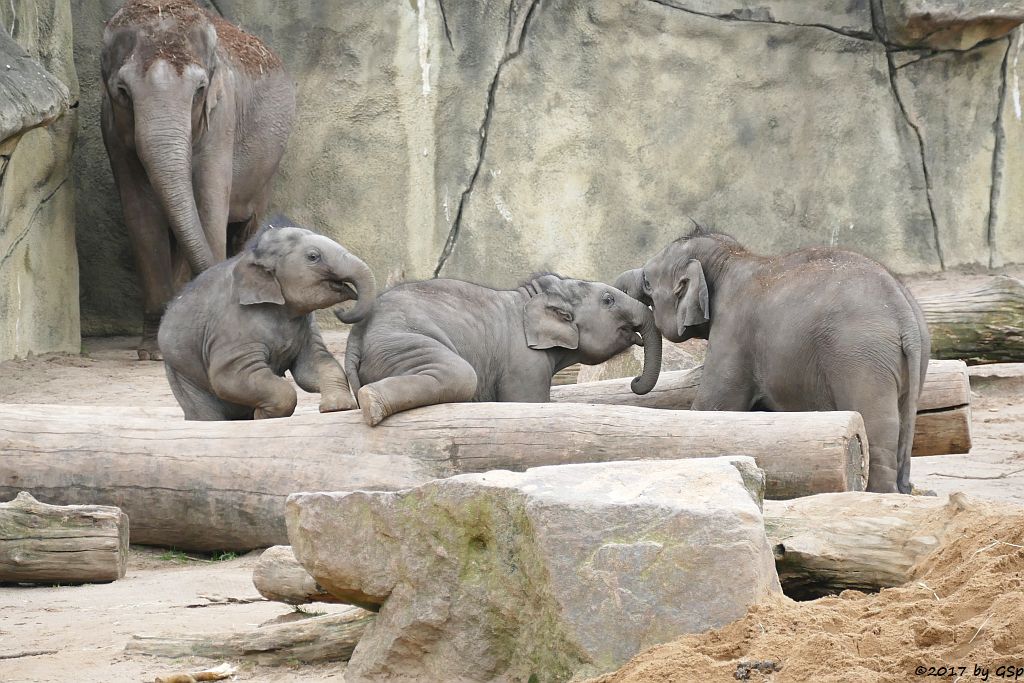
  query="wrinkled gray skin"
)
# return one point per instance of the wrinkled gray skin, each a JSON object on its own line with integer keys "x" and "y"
{"x": 216, "y": 124}
{"x": 817, "y": 329}
{"x": 231, "y": 334}
{"x": 442, "y": 341}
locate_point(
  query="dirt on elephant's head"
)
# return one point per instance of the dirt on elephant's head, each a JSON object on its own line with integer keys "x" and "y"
{"x": 167, "y": 25}
{"x": 961, "y": 609}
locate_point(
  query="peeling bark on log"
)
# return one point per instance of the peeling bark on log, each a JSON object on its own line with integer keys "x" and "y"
{"x": 278, "y": 576}
{"x": 981, "y": 324}
{"x": 866, "y": 541}
{"x": 42, "y": 543}
{"x": 222, "y": 485}
{"x": 326, "y": 638}
{"x": 944, "y": 415}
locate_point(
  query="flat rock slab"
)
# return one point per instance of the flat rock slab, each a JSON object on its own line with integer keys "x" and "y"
{"x": 554, "y": 572}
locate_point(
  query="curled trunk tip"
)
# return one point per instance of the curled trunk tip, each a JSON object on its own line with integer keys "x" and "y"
{"x": 366, "y": 290}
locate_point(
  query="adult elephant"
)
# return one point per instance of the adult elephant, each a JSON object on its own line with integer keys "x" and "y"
{"x": 817, "y": 329}
{"x": 444, "y": 341}
{"x": 195, "y": 117}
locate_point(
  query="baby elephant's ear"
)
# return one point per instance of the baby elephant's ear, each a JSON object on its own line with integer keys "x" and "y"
{"x": 254, "y": 283}
{"x": 549, "y": 323}
{"x": 693, "y": 291}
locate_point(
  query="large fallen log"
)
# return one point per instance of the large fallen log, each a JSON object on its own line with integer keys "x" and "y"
{"x": 983, "y": 323}
{"x": 42, "y": 543}
{"x": 944, "y": 415}
{"x": 325, "y": 638}
{"x": 278, "y": 576}
{"x": 866, "y": 541}
{"x": 222, "y": 485}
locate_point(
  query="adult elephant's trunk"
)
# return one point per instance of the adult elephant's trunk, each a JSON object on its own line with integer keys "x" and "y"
{"x": 644, "y": 319}
{"x": 163, "y": 139}
{"x": 366, "y": 288}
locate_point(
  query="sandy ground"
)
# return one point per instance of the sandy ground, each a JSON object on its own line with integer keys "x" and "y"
{"x": 83, "y": 629}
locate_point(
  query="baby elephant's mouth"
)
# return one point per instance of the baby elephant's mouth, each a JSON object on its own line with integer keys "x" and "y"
{"x": 344, "y": 288}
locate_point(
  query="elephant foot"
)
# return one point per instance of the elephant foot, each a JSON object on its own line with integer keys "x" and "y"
{"x": 374, "y": 410}
{"x": 148, "y": 350}
{"x": 914, "y": 491}
{"x": 336, "y": 402}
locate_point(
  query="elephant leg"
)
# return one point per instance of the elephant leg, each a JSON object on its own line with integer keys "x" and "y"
{"x": 247, "y": 380}
{"x": 878, "y": 405}
{"x": 212, "y": 180}
{"x": 149, "y": 234}
{"x": 444, "y": 378}
{"x": 316, "y": 370}
{"x": 199, "y": 404}
{"x": 725, "y": 385}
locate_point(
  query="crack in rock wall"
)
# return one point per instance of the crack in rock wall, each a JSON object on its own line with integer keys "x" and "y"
{"x": 489, "y": 140}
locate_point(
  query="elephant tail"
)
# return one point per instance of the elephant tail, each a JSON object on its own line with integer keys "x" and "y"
{"x": 916, "y": 344}
{"x": 353, "y": 358}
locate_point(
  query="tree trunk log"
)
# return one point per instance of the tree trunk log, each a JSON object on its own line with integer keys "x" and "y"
{"x": 980, "y": 324}
{"x": 278, "y": 576}
{"x": 326, "y": 638}
{"x": 943, "y": 422}
{"x": 865, "y": 541}
{"x": 42, "y": 543}
{"x": 222, "y": 485}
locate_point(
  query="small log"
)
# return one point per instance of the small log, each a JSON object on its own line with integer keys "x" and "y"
{"x": 983, "y": 323}
{"x": 944, "y": 415}
{"x": 278, "y": 576}
{"x": 42, "y": 543}
{"x": 222, "y": 485}
{"x": 866, "y": 541}
{"x": 325, "y": 638}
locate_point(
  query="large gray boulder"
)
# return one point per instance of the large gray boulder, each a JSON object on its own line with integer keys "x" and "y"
{"x": 38, "y": 262}
{"x": 556, "y": 571}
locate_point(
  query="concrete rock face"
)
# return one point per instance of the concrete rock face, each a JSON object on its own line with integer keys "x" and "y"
{"x": 38, "y": 264}
{"x": 488, "y": 140}
{"x": 557, "y": 571}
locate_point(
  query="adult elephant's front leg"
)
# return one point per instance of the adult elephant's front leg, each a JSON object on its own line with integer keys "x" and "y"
{"x": 213, "y": 167}
{"x": 149, "y": 234}
{"x": 246, "y": 379}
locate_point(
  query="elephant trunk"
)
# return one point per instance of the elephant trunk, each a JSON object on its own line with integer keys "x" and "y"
{"x": 365, "y": 285}
{"x": 163, "y": 138}
{"x": 644, "y": 320}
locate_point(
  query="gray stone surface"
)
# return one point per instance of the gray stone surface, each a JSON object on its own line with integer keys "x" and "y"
{"x": 38, "y": 264}
{"x": 552, "y": 572}
{"x": 486, "y": 140}
{"x": 948, "y": 24}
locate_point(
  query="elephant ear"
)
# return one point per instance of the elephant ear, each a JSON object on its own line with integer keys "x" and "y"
{"x": 255, "y": 282}
{"x": 548, "y": 321}
{"x": 204, "y": 37}
{"x": 693, "y": 308}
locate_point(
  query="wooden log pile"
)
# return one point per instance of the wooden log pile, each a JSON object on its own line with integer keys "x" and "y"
{"x": 222, "y": 485}
{"x": 943, "y": 421}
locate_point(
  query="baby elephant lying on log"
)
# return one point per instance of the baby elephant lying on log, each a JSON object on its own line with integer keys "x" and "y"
{"x": 817, "y": 329}
{"x": 229, "y": 337}
{"x": 442, "y": 341}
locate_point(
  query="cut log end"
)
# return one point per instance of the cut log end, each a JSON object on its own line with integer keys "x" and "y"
{"x": 42, "y": 543}
{"x": 278, "y": 576}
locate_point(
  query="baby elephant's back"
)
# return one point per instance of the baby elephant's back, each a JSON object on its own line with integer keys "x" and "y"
{"x": 184, "y": 323}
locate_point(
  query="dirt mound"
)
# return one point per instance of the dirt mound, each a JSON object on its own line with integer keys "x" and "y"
{"x": 963, "y": 609}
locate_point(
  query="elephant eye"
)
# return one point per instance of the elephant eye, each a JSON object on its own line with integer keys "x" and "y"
{"x": 313, "y": 256}
{"x": 608, "y": 300}
{"x": 123, "y": 92}
{"x": 646, "y": 284}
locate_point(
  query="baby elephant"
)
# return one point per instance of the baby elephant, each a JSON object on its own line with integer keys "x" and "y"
{"x": 228, "y": 338}
{"x": 442, "y": 341}
{"x": 817, "y": 329}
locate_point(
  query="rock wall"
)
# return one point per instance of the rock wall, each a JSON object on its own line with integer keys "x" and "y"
{"x": 39, "y": 309}
{"x": 485, "y": 140}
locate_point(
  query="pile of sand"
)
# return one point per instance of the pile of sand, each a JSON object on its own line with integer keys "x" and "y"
{"x": 964, "y": 608}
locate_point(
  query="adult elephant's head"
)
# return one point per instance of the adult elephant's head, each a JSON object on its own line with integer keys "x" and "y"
{"x": 596, "y": 320}
{"x": 163, "y": 80}
{"x": 304, "y": 271}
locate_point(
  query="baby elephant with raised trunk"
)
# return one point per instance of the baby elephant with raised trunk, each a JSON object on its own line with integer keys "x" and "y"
{"x": 817, "y": 329}
{"x": 231, "y": 334}
{"x": 443, "y": 341}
